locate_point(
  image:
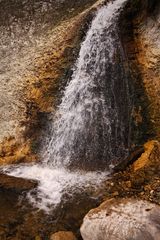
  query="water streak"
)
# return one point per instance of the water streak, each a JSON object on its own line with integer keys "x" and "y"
{"x": 92, "y": 120}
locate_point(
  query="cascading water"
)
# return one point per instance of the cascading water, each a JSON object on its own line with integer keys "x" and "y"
{"x": 92, "y": 122}
{"x": 91, "y": 125}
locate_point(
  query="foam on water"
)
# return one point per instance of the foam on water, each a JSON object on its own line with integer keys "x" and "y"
{"x": 53, "y": 183}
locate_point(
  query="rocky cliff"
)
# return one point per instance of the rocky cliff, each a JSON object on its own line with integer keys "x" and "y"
{"x": 40, "y": 43}
{"x": 147, "y": 40}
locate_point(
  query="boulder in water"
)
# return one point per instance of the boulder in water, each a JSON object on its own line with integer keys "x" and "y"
{"x": 16, "y": 184}
{"x": 122, "y": 220}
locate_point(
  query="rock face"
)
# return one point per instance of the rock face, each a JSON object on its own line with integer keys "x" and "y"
{"x": 139, "y": 31}
{"x": 122, "y": 220}
{"x": 15, "y": 151}
{"x": 39, "y": 42}
{"x": 147, "y": 39}
{"x": 27, "y": 35}
{"x": 63, "y": 236}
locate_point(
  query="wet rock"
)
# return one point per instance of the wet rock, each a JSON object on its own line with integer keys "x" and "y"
{"x": 147, "y": 156}
{"x": 16, "y": 184}
{"x": 148, "y": 54}
{"x": 139, "y": 32}
{"x": 138, "y": 179}
{"x": 122, "y": 220}
{"x": 134, "y": 155}
{"x": 30, "y": 85}
{"x": 63, "y": 236}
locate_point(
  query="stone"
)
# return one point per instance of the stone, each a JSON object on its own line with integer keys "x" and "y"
{"x": 133, "y": 156}
{"x": 123, "y": 219}
{"x": 147, "y": 41}
{"x": 38, "y": 238}
{"x": 62, "y": 235}
{"x": 151, "y": 152}
{"x": 13, "y": 152}
{"x": 16, "y": 184}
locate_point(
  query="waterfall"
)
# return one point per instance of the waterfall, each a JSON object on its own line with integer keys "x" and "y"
{"x": 91, "y": 126}
{"x": 92, "y": 122}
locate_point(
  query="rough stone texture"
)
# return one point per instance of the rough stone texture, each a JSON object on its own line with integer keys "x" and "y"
{"x": 38, "y": 48}
{"x": 15, "y": 151}
{"x": 147, "y": 39}
{"x": 63, "y": 236}
{"x": 27, "y": 33}
{"x": 122, "y": 220}
{"x": 139, "y": 33}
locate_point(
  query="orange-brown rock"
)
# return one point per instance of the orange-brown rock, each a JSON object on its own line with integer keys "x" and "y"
{"x": 148, "y": 155}
{"x": 12, "y": 151}
{"x": 140, "y": 36}
{"x": 147, "y": 40}
{"x": 63, "y": 236}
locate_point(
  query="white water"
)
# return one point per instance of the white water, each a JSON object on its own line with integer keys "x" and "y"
{"x": 83, "y": 115}
{"x": 54, "y": 183}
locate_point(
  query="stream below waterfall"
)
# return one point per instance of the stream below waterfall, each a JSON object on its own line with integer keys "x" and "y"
{"x": 21, "y": 220}
{"x": 90, "y": 133}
